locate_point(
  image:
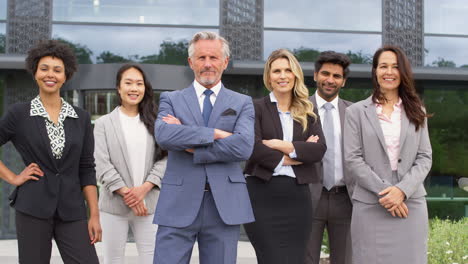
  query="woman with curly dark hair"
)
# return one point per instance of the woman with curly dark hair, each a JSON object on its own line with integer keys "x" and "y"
{"x": 388, "y": 154}
{"x": 55, "y": 141}
{"x": 129, "y": 167}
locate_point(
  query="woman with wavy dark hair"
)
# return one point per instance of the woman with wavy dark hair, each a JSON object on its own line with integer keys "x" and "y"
{"x": 129, "y": 166}
{"x": 288, "y": 144}
{"x": 55, "y": 141}
{"x": 388, "y": 154}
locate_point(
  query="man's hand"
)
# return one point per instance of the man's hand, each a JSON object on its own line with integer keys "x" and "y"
{"x": 220, "y": 134}
{"x": 170, "y": 119}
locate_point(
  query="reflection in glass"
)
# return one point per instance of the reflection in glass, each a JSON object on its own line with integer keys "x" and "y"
{"x": 110, "y": 43}
{"x": 445, "y": 17}
{"x": 2, "y": 37}
{"x": 99, "y": 103}
{"x": 3, "y": 9}
{"x": 359, "y": 44}
{"x": 173, "y": 12}
{"x": 331, "y": 14}
{"x": 446, "y": 52}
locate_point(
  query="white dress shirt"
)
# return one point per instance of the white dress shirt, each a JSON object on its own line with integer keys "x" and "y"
{"x": 199, "y": 89}
{"x": 339, "y": 181}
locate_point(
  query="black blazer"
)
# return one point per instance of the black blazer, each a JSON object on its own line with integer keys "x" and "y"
{"x": 268, "y": 126}
{"x": 60, "y": 189}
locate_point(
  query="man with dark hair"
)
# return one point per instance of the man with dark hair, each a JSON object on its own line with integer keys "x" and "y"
{"x": 331, "y": 197}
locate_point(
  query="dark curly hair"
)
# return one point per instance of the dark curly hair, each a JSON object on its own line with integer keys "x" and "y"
{"x": 55, "y": 49}
{"x": 334, "y": 58}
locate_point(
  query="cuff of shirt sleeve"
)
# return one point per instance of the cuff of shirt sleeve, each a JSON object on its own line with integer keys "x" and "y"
{"x": 293, "y": 154}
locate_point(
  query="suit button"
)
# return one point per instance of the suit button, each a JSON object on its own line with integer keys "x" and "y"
{"x": 399, "y": 160}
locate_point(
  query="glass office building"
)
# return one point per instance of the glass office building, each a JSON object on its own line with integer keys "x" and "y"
{"x": 106, "y": 33}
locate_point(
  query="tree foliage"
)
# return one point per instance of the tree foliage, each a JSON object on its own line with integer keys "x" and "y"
{"x": 441, "y": 62}
{"x": 2, "y": 43}
{"x": 109, "y": 57}
{"x": 306, "y": 54}
{"x": 82, "y": 52}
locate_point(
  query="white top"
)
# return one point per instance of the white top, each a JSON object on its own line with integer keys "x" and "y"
{"x": 287, "y": 126}
{"x": 135, "y": 135}
{"x": 199, "y": 89}
{"x": 339, "y": 181}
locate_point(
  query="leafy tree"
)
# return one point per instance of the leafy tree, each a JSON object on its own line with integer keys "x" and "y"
{"x": 174, "y": 53}
{"x": 464, "y": 66}
{"x": 109, "y": 57}
{"x": 306, "y": 54}
{"x": 82, "y": 52}
{"x": 441, "y": 62}
{"x": 2, "y": 43}
{"x": 359, "y": 57}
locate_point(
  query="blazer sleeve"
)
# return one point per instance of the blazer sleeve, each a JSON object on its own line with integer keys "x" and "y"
{"x": 106, "y": 173}
{"x": 355, "y": 164}
{"x": 7, "y": 126}
{"x": 178, "y": 137}
{"x": 157, "y": 172}
{"x": 311, "y": 152}
{"x": 421, "y": 165}
{"x": 87, "y": 170}
{"x": 236, "y": 147}
{"x": 262, "y": 155}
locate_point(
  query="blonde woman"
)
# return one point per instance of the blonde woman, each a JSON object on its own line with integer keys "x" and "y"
{"x": 288, "y": 143}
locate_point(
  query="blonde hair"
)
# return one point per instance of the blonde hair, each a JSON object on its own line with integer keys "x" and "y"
{"x": 301, "y": 107}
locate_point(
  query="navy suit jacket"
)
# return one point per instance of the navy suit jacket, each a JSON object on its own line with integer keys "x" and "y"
{"x": 60, "y": 189}
{"x": 216, "y": 160}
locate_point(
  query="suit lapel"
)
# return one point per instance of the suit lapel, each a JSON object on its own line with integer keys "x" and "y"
{"x": 404, "y": 127}
{"x": 149, "y": 157}
{"x": 41, "y": 127}
{"x": 191, "y": 100}
{"x": 221, "y": 104}
{"x": 117, "y": 127}
{"x": 371, "y": 115}
{"x": 273, "y": 109}
{"x": 341, "y": 110}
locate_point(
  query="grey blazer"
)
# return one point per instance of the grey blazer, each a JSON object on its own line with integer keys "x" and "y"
{"x": 316, "y": 188}
{"x": 112, "y": 168}
{"x": 366, "y": 158}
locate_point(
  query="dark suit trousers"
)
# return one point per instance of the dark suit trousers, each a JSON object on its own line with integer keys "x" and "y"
{"x": 35, "y": 240}
{"x": 333, "y": 212}
{"x": 283, "y": 212}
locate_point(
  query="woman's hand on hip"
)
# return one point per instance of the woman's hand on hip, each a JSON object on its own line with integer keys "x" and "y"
{"x": 27, "y": 175}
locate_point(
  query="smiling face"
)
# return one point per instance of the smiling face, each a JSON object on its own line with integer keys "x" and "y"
{"x": 131, "y": 88}
{"x": 50, "y": 75}
{"x": 329, "y": 79}
{"x": 208, "y": 62}
{"x": 387, "y": 73}
{"x": 281, "y": 77}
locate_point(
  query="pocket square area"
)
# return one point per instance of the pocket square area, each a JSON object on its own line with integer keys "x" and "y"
{"x": 229, "y": 112}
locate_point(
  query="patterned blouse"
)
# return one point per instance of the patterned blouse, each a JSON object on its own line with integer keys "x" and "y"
{"x": 56, "y": 132}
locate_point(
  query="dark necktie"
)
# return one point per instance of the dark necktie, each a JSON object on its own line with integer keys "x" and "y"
{"x": 207, "y": 107}
{"x": 329, "y": 158}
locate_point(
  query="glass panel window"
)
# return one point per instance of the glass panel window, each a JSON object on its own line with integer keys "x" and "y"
{"x": 331, "y": 14}
{"x": 3, "y": 9}
{"x": 2, "y": 37}
{"x": 174, "y": 12}
{"x": 446, "y": 52}
{"x": 113, "y": 44}
{"x": 307, "y": 45}
{"x": 445, "y": 17}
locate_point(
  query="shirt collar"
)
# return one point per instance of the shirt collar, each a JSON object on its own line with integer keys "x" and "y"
{"x": 37, "y": 109}
{"x": 398, "y": 104}
{"x": 274, "y": 100}
{"x": 199, "y": 89}
{"x": 320, "y": 101}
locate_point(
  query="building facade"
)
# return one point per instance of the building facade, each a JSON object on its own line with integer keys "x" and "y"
{"x": 106, "y": 33}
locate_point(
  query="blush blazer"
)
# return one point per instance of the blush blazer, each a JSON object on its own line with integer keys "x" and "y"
{"x": 264, "y": 160}
{"x": 366, "y": 158}
{"x": 113, "y": 168}
{"x": 60, "y": 189}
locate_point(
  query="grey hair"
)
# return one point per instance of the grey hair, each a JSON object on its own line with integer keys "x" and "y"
{"x": 208, "y": 35}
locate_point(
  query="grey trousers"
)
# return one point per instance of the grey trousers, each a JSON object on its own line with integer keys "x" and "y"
{"x": 35, "y": 240}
